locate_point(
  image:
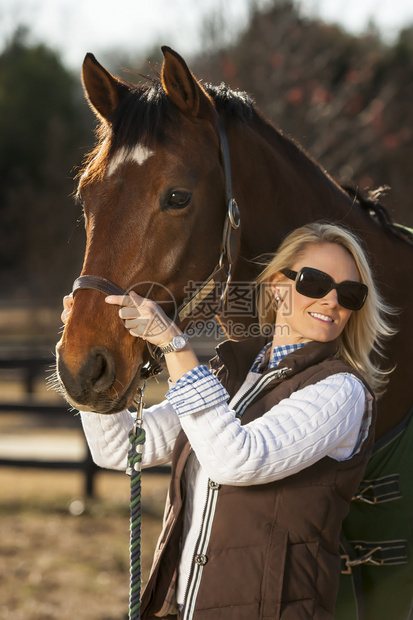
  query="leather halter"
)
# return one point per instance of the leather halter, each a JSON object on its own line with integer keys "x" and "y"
{"x": 222, "y": 269}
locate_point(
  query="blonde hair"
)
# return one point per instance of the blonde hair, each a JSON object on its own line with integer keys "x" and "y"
{"x": 367, "y": 328}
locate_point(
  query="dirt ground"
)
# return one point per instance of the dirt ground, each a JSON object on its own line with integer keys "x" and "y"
{"x": 62, "y": 558}
{"x": 56, "y": 564}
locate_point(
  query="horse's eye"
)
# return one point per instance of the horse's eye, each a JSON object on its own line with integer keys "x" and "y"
{"x": 178, "y": 199}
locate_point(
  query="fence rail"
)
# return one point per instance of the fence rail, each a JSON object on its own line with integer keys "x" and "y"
{"x": 32, "y": 366}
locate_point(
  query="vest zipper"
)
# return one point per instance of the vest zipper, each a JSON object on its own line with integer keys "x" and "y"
{"x": 200, "y": 558}
{"x": 252, "y": 393}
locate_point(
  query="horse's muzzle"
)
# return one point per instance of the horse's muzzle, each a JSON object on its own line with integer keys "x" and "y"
{"x": 93, "y": 387}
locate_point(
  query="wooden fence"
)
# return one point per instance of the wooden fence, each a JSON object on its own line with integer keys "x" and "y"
{"x": 32, "y": 365}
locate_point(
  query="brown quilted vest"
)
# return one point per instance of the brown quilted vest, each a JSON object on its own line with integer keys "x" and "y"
{"x": 273, "y": 551}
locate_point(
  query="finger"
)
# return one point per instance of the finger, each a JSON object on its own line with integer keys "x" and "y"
{"x": 138, "y": 298}
{"x": 129, "y": 313}
{"x": 121, "y": 300}
{"x": 138, "y": 331}
{"x": 67, "y": 308}
{"x": 65, "y": 316}
{"x": 67, "y": 302}
{"x": 135, "y": 323}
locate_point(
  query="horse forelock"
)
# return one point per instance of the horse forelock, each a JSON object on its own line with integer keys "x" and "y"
{"x": 141, "y": 117}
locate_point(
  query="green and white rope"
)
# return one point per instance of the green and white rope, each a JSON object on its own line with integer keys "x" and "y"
{"x": 134, "y": 469}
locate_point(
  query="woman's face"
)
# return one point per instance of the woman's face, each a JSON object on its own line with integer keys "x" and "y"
{"x": 300, "y": 318}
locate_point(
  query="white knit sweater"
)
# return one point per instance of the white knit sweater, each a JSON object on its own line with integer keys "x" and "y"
{"x": 320, "y": 420}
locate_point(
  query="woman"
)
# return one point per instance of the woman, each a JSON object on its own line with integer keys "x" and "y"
{"x": 268, "y": 447}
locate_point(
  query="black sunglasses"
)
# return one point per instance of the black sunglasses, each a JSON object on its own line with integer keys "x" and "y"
{"x": 317, "y": 284}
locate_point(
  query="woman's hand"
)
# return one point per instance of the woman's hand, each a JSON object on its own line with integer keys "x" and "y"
{"x": 144, "y": 318}
{"x": 67, "y": 308}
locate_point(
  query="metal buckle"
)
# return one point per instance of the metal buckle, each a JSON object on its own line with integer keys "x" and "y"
{"x": 346, "y": 560}
{"x": 364, "y": 559}
{"x": 367, "y": 557}
{"x": 138, "y": 403}
{"x": 362, "y": 498}
{"x": 226, "y": 285}
{"x": 234, "y": 214}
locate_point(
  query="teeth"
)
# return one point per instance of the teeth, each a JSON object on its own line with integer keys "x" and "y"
{"x": 323, "y": 317}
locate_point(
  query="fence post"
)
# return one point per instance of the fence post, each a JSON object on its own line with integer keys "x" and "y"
{"x": 89, "y": 469}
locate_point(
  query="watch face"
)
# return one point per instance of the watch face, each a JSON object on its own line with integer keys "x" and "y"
{"x": 179, "y": 342}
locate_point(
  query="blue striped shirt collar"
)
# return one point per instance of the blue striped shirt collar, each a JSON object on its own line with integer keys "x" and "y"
{"x": 260, "y": 362}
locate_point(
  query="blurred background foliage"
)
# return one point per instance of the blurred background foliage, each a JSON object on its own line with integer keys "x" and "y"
{"x": 44, "y": 126}
{"x": 345, "y": 98}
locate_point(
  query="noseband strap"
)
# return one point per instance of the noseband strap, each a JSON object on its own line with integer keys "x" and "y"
{"x": 222, "y": 271}
{"x": 98, "y": 284}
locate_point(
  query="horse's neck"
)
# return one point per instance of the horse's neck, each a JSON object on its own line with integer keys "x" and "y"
{"x": 279, "y": 188}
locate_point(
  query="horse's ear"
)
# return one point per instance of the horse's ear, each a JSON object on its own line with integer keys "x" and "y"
{"x": 102, "y": 89}
{"x": 182, "y": 87}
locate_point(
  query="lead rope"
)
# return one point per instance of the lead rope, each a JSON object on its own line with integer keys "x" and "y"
{"x": 134, "y": 469}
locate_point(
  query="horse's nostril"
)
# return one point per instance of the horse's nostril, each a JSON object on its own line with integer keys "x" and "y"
{"x": 103, "y": 373}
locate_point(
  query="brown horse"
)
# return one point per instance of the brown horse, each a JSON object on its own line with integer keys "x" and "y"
{"x": 154, "y": 201}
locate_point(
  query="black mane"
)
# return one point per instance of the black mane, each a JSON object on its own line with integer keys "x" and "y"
{"x": 234, "y": 104}
{"x": 375, "y": 209}
{"x": 145, "y": 112}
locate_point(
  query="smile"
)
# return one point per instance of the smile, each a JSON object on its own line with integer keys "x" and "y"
{"x": 322, "y": 317}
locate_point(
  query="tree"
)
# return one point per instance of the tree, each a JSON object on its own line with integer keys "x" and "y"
{"x": 345, "y": 98}
{"x": 42, "y": 125}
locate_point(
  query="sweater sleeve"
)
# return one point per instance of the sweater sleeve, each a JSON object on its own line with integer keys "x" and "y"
{"x": 108, "y": 436}
{"x": 319, "y": 420}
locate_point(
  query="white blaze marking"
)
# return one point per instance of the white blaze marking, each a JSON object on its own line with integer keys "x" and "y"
{"x": 139, "y": 155}
{"x": 118, "y": 159}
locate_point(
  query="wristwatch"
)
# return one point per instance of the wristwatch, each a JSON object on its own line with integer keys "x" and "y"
{"x": 177, "y": 344}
